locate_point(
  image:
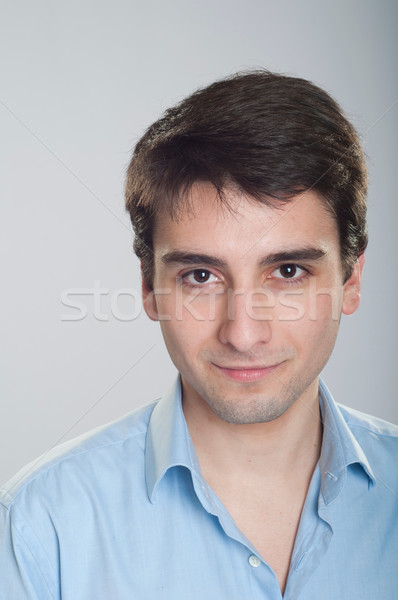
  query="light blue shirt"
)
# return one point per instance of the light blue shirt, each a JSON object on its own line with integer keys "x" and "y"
{"x": 124, "y": 513}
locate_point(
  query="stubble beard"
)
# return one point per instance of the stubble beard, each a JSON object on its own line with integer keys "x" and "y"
{"x": 252, "y": 406}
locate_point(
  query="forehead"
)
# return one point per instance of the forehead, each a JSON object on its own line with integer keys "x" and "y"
{"x": 243, "y": 225}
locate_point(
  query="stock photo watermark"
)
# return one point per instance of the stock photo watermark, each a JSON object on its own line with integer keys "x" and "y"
{"x": 101, "y": 303}
{"x": 125, "y": 304}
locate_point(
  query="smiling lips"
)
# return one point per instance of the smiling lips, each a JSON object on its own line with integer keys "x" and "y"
{"x": 245, "y": 373}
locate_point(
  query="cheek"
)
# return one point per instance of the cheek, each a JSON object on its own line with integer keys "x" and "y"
{"x": 311, "y": 304}
{"x": 184, "y": 329}
{"x": 311, "y": 322}
{"x": 177, "y": 341}
{"x": 325, "y": 306}
{"x": 190, "y": 308}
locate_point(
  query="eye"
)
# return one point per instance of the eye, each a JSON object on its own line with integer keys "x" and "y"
{"x": 198, "y": 277}
{"x": 289, "y": 271}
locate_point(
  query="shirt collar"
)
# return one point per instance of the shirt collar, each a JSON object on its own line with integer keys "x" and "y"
{"x": 340, "y": 448}
{"x": 169, "y": 444}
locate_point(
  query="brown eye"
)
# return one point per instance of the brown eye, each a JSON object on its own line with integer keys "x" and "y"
{"x": 288, "y": 271}
{"x": 200, "y": 278}
{"x": 201, "y": 275}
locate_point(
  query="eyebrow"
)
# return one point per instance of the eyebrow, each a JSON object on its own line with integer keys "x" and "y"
{"x": 294, "y": 255}
{"x": 287, "y": 256}
{"x": 192, "y": 258}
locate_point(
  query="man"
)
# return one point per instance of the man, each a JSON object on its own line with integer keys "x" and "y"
{"x": 246, "y": 480}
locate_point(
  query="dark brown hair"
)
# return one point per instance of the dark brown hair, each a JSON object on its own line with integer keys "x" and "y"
{"x": 270, "y": 135}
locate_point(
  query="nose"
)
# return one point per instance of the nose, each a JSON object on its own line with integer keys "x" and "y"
{"x": 244, "y": 327}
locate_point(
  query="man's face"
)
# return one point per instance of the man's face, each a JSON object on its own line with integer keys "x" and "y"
{"x": 249, "y": 301}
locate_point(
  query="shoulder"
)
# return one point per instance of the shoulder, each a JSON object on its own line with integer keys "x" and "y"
{"x": 89, "y": 456}
{"x": 368, "y": 424}
{"x": 377, "y": 438}
{"x": 81, "y": 490}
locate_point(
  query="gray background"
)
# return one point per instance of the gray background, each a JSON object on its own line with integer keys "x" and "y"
{"x": 80, "y": 83}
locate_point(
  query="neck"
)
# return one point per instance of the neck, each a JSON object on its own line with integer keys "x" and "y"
{"x": 277, "y": 449}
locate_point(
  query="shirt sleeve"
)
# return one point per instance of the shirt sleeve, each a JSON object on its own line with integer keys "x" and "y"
{"x": 23, "y": 562}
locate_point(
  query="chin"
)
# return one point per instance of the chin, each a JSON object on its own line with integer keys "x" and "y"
{"x": 257, "y": 409}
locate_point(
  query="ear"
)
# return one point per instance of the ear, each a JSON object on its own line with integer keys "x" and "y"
{"x": 352, "y": 288}
{"x": 149, "y": 300}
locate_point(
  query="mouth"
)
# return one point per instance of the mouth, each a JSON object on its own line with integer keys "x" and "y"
{"x": 246, "y": 373}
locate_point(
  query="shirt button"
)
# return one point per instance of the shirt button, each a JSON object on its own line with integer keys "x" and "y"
{"x": 254, "y": 561}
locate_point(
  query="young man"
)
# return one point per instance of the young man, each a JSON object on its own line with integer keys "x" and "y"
{"x": 246, "y": 480}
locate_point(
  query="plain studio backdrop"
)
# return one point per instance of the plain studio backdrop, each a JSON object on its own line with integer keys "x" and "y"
{"x": 80, "y": 82}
